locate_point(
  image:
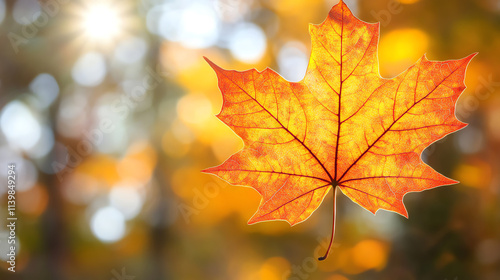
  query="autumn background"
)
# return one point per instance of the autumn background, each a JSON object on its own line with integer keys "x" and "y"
{"x": 107, "y": 109}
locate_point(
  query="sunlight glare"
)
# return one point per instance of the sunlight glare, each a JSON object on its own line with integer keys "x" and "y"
{"x": 102, "y": 22}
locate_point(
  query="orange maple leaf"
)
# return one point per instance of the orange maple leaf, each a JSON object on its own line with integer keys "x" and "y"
{"x": 343, "y": 126}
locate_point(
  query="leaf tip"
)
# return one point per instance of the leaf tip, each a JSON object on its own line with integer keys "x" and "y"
{"x": 470, "y": 56}
{"x": 252, "y": 221}
{"x": 401, "y": 211}
{"x": 210, "y": 170}
{"x": 312, "y": 27}
{"x": 424, "y": 58}
{"x": 405, "y": 214}
{"x": 452, "y": 182}
{"x": 257, "y": 217}
{"x": 213, "y": 65}
{"x": 342, "y": 5}
{"x": 462, "y": 124}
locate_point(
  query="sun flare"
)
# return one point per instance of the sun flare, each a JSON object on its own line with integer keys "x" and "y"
{"x": 102, "y": 22}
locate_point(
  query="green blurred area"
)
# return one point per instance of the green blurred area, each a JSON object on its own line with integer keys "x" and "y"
{"x": 107, "y": 109}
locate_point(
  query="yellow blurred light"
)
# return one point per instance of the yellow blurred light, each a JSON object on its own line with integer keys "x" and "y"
{"x": 477, "y": 69}
{"x": 370, "y": 254}
{"x": 401, "y": 48}
{"x": 407, "y": 1}
{"x": 211, "y": 131}
{"x": 197, "y": 70}
{"x": 101, "y": 21}
{"x": 274, "y": 268}
{"x": 246, "y": 268}
{"x": 101, "y": 167}
{"x": 173, "y": 147}
{"x": 184, "y": 180}
{"x": 337, "y": 277}
{"x": 476, "y": 175}
{"x": 194, "y": 109}
{"x": 344, "y": 260}
{"x": 268, "y": 229}
{"x": 139, "y": 163}
{"x": 182, "y": 132}
{"x": 225, "y": 146}
{"x": 403, "y": 44}
{"x": 294, "y": 6}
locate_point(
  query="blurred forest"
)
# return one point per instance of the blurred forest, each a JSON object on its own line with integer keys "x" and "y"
{"x": 107, "y": 109}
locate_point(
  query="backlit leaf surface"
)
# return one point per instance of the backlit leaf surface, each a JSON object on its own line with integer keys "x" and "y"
{"x": 343, "y": 126}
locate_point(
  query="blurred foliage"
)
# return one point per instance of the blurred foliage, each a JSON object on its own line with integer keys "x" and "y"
{"x": 107, "y": 109}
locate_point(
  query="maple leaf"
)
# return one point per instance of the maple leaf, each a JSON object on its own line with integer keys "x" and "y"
{"x": 343, "y": 126}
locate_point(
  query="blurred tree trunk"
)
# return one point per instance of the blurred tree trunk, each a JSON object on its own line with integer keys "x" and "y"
{"x": 53, "y": 225}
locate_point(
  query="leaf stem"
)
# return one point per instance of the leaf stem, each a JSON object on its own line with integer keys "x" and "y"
{"x": 333, "y": 226}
